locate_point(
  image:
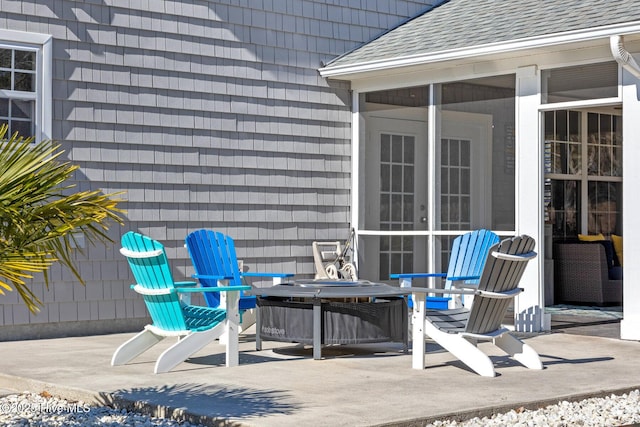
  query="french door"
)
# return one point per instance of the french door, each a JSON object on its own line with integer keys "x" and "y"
{"x": 463, "y": 170}
{"x": 396, "y": 192}
{"x": 396, "y": 201}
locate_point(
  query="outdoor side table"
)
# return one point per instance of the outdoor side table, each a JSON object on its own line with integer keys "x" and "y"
{"x": 321, "y": 312}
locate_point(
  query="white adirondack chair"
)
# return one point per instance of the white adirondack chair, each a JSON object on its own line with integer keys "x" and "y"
{"x": 458, "y": 330}
{"x": 194, "y": 326}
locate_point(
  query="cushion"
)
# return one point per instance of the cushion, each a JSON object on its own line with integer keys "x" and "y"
{"x": 617, "y": 246}
{"x": 590, "y": 237}
{"x": 615, "y": 273}
{"x": 608, "y": 250}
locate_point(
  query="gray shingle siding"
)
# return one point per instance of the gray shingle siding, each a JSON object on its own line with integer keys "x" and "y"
{"x": 207, "y": 114}
{"x": 457, "y": 24}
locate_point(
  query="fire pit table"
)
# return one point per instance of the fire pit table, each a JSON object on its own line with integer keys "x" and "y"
{"x": 321, "y": 312}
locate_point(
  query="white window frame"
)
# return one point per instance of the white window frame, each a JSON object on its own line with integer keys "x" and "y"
{"x": 42, "y": 44}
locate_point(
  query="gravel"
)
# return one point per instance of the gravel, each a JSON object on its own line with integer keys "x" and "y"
{"x": 31, "y": 410}
{"x": 613, "y": 410}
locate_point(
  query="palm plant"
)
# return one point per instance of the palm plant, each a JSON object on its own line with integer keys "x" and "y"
{"x": 41, "y": 216}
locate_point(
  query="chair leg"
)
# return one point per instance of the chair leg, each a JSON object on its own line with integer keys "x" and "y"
{"x": 231, "y": 326}
{"x": 248, "y": 319}
{"x": 463, "y": 350}
{"x": 185, "y": 347}
{"x": 417, "y": 331}
{"x": 258, "y": 325}
{"x": 135, "y": 347}
{"x": 242, "y": 321}
{"x": 520, "y": 351}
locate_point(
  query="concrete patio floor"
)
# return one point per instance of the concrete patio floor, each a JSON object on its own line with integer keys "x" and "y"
{"x": 365, "y": 385}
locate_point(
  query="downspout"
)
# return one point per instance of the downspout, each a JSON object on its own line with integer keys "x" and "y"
{"x": 622, "y": 56}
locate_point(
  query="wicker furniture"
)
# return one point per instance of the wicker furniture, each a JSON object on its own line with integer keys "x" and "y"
{"x": 582, "y": 275}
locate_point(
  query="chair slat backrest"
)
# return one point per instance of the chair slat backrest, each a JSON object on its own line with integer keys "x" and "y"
{"x": 154, "y": 273}
{"x": 499, "y": 275}
{"x": 469, "y": 254}
{"x": 213, "y": 253}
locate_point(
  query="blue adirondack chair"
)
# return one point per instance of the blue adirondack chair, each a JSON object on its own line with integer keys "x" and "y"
{"x": 468, "y": 257}
{"x": 195, "y": 326}
{"x": 213, "y": 255}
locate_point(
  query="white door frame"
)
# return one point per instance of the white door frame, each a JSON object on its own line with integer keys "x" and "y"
{"x": 529, "y": 306}
{"x": 630, "y": 324}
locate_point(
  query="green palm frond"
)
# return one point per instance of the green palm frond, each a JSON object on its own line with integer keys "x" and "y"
{"x": 40, "y": 215}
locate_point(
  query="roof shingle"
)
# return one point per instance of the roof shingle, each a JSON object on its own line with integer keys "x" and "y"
{"x": 457, "y": 24}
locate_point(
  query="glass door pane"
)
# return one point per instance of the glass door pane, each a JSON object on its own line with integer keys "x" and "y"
{"x": 397, "y": 201}
{"x": 455, "y": 184}
{"x": 604, "y": 208}
{"x": 464, "y": 170}
{"x": 564, "y": 212}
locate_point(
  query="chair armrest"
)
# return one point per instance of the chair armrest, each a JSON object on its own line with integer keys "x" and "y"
{"x": 488, "y": 294}
{"x": 186, "y": 284}
{"x": 214, "y": 289}
{"x": 416, "y": 290}
{"x": 416, "y": 275}
{"x": 168, "y": 291}
{"x": 267, "y": 274}
{"x": 211, "y": 277}
{"x": 462, "y": 278}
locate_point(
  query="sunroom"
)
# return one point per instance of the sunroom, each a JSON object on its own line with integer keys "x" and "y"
{"x": 491, "y": 115}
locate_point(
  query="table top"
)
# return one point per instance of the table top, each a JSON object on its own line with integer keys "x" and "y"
{"x": 324, "y": 288}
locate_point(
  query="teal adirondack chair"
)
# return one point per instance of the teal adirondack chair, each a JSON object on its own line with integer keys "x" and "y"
{"x": 213, "y": 255}
{"x": 195, "y": 326}
{"x": 468, "y": 257}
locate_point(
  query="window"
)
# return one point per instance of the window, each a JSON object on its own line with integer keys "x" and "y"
{"x": 17, "y": 83}
{"x": 583, "y": 176}
{"x": 25, "y": 83}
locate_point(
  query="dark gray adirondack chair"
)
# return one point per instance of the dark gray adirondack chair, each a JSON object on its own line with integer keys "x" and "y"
{"x": 458, "y": 330}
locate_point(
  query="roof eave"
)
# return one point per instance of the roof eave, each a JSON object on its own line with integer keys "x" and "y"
{"x": 537, "y": 42}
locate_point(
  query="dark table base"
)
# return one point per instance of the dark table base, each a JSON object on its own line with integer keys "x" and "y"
{"x": 331, "y": 321}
